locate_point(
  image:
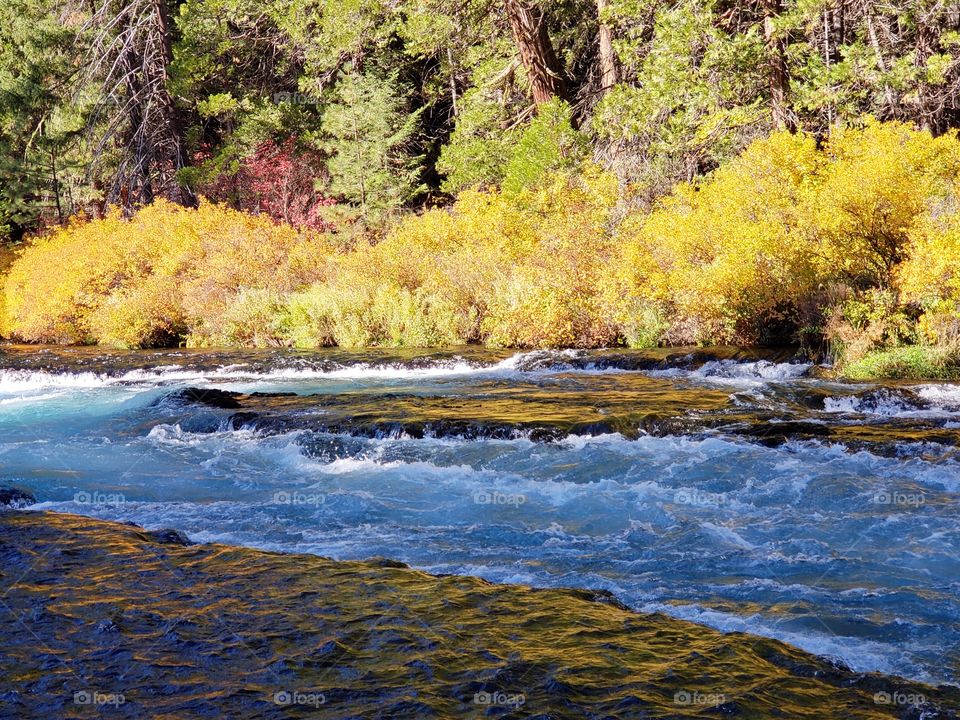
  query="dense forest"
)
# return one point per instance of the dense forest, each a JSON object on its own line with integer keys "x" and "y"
{"x": 579, "y": 174}
{"x": 283, "y": 106}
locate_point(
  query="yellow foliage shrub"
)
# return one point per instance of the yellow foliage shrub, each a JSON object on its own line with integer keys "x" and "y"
{"x": 552, "y": 296}
{"x": 931, "y": 273}
{"x": 7, "y": 257}
{"x": 520, "y": 270}
{"x": 745, "y": 250}
{"x": 359, "y": 315}
{"x": 166, "y": 273}
{"x": 251, "y": 319}
{"x": 875, "y": 184}
{"x": 718, "y": 256}
{"x": 930, "y": 276}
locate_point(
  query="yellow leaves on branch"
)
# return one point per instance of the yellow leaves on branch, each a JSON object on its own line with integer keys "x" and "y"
{"x": 517, "y": 270}
{"x": 764, "y": 239}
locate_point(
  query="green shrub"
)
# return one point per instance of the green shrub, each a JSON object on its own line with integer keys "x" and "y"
{"x": 906, "y": 363}
{"x": 252, "y": 319}
{"x": 548, "y": 145}
{"x": 642, "y": 324}
{"x": 867, "y": 322}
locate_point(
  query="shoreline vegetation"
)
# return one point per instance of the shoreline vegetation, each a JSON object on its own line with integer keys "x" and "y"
{"x": 137, "y": 623}
{"x": 510, "y": 173}
{"x": 846, "y": 246}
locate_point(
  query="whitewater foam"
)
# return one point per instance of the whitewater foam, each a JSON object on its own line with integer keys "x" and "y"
{"x": 535, "y": 362}
{"x": 735, "y": 372}
{"x": 944, "y": 397}
{"x": 669, "y": 519}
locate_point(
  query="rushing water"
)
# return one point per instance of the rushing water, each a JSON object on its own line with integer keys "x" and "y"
{"x": 744, "y": 493}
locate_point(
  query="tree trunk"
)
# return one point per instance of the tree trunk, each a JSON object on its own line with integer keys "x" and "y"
{"x": 841, "y": 14}
{"x": 177, "y": 151}
{"x": 929, "y": 112}
{"x": 881, "y": 63}
{"x": 608, "y": 59}
{"x": 827, "y": 57}
{"x": 536, "y": 51}
{"x": 130, "y": 59}
{"x": 779, "y": 74}
{"x": 138, "y": 189}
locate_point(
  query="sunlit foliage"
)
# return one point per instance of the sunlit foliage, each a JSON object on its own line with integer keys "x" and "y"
{"x": 168, "y": 274}
{"x": 517, "y": 269}
{"x": 757, "y": 245}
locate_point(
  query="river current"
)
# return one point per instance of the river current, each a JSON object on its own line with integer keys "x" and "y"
{"x": 746, "y": 492}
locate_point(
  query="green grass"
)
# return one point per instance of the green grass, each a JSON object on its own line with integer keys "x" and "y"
{"x": 913, "y": 362}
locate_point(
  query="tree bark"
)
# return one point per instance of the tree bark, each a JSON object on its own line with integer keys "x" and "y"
{"x": 608, "y": 59}
{"x": 536, "y": 51}
{"x": 177, "y": 152}
{"x": 827, "y": 57}
{"x": 779, "y": 73}
{"x": 878, "y": 51}
{"x": 130, "y": 58}
{"x": 139, "y": 186}
{"x": 929, "y": 106}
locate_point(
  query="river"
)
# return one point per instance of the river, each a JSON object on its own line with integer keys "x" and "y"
{"x": 745, "y": 491}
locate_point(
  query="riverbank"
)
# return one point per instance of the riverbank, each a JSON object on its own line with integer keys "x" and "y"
{"x": 781, "y": 246}
{"x": 103, "y": 614}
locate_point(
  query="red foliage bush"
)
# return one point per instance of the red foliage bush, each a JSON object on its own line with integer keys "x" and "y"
{"x": 277, "y": 180}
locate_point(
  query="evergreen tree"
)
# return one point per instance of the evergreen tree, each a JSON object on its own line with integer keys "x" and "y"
{"x": 110, "y": 101}
{"x": 38, "y": 126}
{"x": 367, "y": 133}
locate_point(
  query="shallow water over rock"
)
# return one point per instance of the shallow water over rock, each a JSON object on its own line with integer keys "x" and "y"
{"x": 123, "y": 623}
{"x": 742, "y": 490}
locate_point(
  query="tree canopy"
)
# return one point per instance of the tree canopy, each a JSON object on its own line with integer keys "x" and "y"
{"x": 381, "y": 105}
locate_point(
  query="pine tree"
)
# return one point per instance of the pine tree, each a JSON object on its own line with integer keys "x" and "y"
{"x": 367, "y": 134}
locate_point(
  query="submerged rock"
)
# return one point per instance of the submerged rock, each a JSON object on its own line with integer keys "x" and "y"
{"x": 212, "y": 397}
{"x": 218, "y": 631}
{"x": 169, "y": 536}
{"x": 548, "y": 396}
{"x": 16, "y": 498}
